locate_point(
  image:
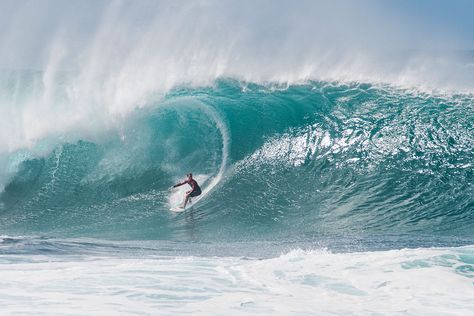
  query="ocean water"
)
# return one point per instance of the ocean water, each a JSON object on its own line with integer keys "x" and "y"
{"x": 320, "y": 198}
{"x": 336, "y": 181}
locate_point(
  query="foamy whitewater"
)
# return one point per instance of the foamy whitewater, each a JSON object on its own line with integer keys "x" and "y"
{"x": 333, "y": 141}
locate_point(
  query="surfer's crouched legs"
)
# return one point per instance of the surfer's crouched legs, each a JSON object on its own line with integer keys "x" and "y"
{"x": 190, "y": 195}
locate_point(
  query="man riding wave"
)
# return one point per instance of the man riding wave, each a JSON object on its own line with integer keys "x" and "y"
{"x": 195, "y": 189}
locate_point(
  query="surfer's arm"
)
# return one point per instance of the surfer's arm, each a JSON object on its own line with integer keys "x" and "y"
{"x": 179, "y": 184}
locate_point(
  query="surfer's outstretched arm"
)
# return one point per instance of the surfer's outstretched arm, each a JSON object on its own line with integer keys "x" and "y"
{"x": 179, "y": 184}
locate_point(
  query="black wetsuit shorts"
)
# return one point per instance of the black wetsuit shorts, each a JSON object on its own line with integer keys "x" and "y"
{"x": 196, "y": 192}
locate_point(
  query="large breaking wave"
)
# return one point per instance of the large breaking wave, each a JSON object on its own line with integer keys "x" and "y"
{"x": 300, "y": 161}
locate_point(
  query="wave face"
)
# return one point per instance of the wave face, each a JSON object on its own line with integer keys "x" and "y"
{"x": 286, "y": 162}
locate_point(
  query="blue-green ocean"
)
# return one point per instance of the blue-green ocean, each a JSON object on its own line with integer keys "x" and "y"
{"x": 307, "y": 162}
{"x": 315, "y": 193}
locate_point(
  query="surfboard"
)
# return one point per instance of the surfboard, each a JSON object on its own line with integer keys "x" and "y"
{"x": 178, "y": 207}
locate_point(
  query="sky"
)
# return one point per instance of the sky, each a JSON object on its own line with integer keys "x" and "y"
{"x": 28, "y": 27}
{"x": 455, "y": 16}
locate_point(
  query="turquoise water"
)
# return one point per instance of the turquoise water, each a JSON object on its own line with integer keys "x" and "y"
{"x": 289, "y": 163}
{"x": 317, "y": 196}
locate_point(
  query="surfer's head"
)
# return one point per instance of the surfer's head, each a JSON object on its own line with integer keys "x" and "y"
{"x": 190, "y": 175}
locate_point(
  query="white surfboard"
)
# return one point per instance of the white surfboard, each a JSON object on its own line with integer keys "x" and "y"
{"x": 178, "y": 207}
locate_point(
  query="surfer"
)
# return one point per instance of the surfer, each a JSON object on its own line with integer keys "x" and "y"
{"x": 195, "y": 189}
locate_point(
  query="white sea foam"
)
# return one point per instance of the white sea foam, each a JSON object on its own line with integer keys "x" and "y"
{"x": 396, "y": 282}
